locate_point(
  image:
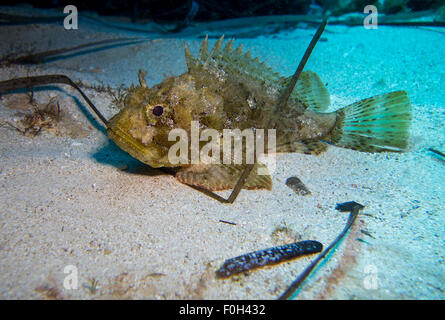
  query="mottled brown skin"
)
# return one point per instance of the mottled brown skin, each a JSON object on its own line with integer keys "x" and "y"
{"x": 226, "y": 89}
{"x": 218, "y": 104}
{"x": 223, "y": 89}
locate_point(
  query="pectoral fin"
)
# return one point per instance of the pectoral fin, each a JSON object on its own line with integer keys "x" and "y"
{"x": 311, "y": 91}
{"x": 216, "y": 177}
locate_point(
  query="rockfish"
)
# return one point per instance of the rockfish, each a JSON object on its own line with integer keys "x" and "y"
{"x": 228, "y": 89}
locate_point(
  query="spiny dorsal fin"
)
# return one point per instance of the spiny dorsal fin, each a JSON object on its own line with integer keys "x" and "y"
{"x": 204, "y": 51}
{"x": 189, "y": 59}
{"x": 229, "y": 47}
{"x": 218, "y": 44}
{"x": 232, "y": 62}
{"x": 309, "y": 89}
{"x": 215, "y": 53}
{"x": 239, "y": 50}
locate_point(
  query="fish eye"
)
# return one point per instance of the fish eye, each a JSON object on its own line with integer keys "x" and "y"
{"x": 158, "y": 111}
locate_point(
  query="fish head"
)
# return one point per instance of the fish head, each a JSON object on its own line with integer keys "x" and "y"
{"x": 143, "y": 126}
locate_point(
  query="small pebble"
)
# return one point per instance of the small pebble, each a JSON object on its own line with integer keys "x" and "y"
{"x": 295, "y": 184}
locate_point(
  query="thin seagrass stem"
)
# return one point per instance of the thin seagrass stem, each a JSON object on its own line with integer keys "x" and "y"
{"x": 26, "y": 82}
{"x": 40, "y": 57}
{"x": 288, "y": 91}
{"x": 280, "y": 105}
{"x": 297, "y": 282}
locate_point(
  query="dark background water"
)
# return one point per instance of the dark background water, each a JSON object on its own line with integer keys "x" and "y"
{"x": 207, "y": 10}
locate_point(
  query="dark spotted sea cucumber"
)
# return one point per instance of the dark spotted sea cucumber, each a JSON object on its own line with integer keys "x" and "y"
{"x": 267, "y": 256}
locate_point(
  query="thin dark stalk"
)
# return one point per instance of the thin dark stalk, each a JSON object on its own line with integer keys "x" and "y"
{"x": 280, "y": 105}
{"x": 240, "y": 183}
{"x": 21, "y": 83}
{"x": 288, "y": 91}
{"x": 41, "y": 56}
{"x": 296, "y": 284}
{"x": 437, "y": 152}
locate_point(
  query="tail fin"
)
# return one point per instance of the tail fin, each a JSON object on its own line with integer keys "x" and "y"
{"x": 376, "y": 124}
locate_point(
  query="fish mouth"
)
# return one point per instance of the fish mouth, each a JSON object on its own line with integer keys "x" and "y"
{"x": 132, "y": 146}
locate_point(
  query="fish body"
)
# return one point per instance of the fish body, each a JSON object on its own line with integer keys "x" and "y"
{"x": 227, "y": 89}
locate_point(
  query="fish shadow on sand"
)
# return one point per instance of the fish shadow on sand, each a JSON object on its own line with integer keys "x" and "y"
{"x": 110, "y": 154}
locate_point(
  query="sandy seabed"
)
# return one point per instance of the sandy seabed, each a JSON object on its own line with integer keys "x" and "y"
{"x": 134, "y": 232}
